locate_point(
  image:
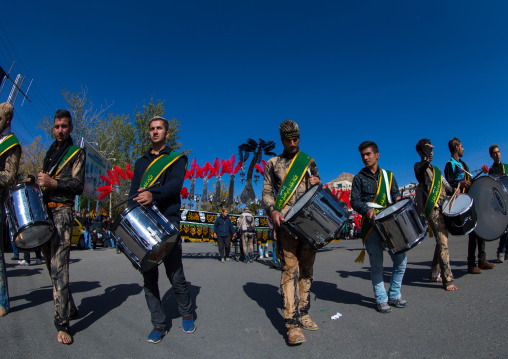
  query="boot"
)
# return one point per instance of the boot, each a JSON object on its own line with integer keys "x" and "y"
{"x": 295, "y": 336}
{"x": 307, "y": 323}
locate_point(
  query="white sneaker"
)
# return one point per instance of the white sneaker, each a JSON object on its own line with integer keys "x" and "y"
{"x": 500, "y": 257}
{"x": 23, "y": 263}
{"x": 266, "y": 255}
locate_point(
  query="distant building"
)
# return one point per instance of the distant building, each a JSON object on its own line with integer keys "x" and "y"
{"x": 344, "y": 181}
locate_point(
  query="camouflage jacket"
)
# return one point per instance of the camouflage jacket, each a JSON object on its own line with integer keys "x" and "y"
{"x": 9, "y": 166}
{"x": 275, "y": 172}
{"x": 70, "y": 181}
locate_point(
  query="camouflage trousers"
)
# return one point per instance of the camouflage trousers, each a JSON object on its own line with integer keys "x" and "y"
{"x": 297, "y": 260}
{"x": 248, "y": 243}
{"x": 56, "y": 254}
{"x": 441, "y": 260}
{"x": 4, "y": 291}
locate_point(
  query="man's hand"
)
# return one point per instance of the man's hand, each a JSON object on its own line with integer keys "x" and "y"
{"x": 277, "y": 218}
{"x": 144, "y": 197}
{"x": 314, "y": 180}
{"x": 215, "y": 235}
{"x": 46, "y": 181}
{"x": 371, "y": 214}
{"x": 465, "y": 184}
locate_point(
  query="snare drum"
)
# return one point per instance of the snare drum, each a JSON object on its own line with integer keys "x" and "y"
{"x": 490, "y": 196}
{"x": 400, "y": 226}
{"x": 317, "y": 217}
{"x": 29, "y": 222}
{"x": 144, "y": 235}
{"x": 461, "y": 218}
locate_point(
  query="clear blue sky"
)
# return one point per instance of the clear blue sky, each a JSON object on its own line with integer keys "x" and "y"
{"x": 345, "y": 71}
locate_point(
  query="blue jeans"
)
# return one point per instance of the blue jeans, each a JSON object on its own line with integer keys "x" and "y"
{"x": 274, "y": 248}
{"x": 4, "y": 292}
{"x": 15, "y": 251}
{"x": 262, "y": 250}
{"x": 111, "y": 242}
{"x": 87, "y": 236}
{"x": 375, "y": 249}
{"x": 503, "y": 243}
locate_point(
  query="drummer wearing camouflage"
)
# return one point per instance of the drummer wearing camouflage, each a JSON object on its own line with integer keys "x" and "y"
{"x": 287, "y": 178}
{"x": 62, "y": 177}
{"x": 499, "y": 168}
{"x": 456, "y": 173}
{"x": 432, "y": 191}
{"x": 373, "y": 189}
{"x": 10, "y": 154}
{"x": 168, "y": 168}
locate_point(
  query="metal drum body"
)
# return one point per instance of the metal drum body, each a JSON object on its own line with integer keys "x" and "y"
{"x": 400, "y": 226}
{"x": 144, "y": 235}
{"x": 461, "y": 219}
{"x": 317, "y": 217}
{"x": 490, "y": 196}
{"x": 29, "y": 222}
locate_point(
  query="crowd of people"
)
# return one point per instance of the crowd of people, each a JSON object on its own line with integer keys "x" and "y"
{"x": 287, "y": 178}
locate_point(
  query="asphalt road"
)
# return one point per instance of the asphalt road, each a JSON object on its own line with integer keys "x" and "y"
{"x": 238, "y": 309}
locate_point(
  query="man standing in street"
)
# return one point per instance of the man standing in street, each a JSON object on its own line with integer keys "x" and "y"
{"x": 62, "y": 177}
{"x": 162, "y": 165}
{"x": 222, "y": 231}
{"x": 10, "y": 154}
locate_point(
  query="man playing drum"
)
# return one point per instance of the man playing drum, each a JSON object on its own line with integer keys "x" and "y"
{"x": 160, "y": 164}
{"x": 62, "y": 177}
{"x": 10, "y": 154}
{"x": 286, "y": 179}
{"x": 456, "y": 175}
{"x": 432, "y": 191}
{"x": 499, "y": 168}
{"x": 371, "y": 190}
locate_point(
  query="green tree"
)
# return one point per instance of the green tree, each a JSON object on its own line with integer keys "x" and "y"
{"x": 32, "y": 158}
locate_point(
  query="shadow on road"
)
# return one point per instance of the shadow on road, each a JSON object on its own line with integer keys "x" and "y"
{"x": 45, "y": 294}
{"x": 332, "y": 293}
{"x": 93, "y": 308}
{"x": 267, "y": 296}
{"x": 171, "y": 307}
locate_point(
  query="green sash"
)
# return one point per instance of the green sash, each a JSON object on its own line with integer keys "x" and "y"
{"x": 294, "y": 176}
{"x": 435, "y": 192}
{"x": 71, "y": 152}
{"x": 157, "y": 168}
{"x": 505, "y": 169}
{"x": 8, "y": 143}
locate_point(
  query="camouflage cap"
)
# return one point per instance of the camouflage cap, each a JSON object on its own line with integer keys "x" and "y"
{"x": 6, "y": 110}
{"x": 289, "y": 129}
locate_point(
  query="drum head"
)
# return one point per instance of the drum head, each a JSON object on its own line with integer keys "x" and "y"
{"x": 302, "y": 202}
{"x": 392, "y": 209}
{"x": 491, "y": 203}
{"x": 461, "y": 204}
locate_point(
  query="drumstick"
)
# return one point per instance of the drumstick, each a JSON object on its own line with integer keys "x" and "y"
{"x": 134, "y": 195}
{"x": 452, "y": 198}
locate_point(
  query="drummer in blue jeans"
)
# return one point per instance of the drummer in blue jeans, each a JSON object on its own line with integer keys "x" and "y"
{"x": 374, "y": 189}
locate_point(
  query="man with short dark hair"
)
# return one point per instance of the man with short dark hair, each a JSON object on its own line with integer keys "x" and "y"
{"x": 456, "y": 173}
{"x": 10, "y": 154}
{"x": 62, "y": 177}
{"x": 374, "y": 188}
{"x": 497, "y": 169}
{"x": 280, "y": 193}
{"x": 431, "y": 193}
{"x": 222, "y": 231}
{"x": 170, "y": 175}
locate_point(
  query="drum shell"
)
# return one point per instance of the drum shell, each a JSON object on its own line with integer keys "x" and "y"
{"x": 403, "y": 229}
{"x": 490, "y": 196}
{"x": 144, "y": 235}
{"x": 317, "y": 217}
{"x": 460, "y": 223}
{"x": 29, "y": 223}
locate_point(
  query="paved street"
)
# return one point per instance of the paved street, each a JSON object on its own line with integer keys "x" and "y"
{"x": 238, "y": 309}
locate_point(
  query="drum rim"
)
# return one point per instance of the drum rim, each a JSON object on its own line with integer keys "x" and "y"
{"x": 23, "y": 185}
{"x": 38, "y": 223}
{"x": 448, "y": 214}
{"x": 397, "y": 211}
{"x": 316, "y": 190}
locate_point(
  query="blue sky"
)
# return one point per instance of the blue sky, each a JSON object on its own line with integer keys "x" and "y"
{"x": 345, "y": 71}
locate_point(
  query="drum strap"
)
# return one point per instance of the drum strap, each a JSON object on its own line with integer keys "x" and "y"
{"x": 294, "y": 176}
{"x": 157, "y": 168}
{"x": 8, "y": 143}
{"x": 435, "y": 192}
{"x": 73, "y": 151}
{"x": 380, "y": 201}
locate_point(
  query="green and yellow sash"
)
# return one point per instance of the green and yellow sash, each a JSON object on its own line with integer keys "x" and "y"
{"x": 505, "y": 168}
{"x": 71, "y": 152}
{"x": 435, "y": 192}
{"x": 8, "y": 143}
{"x": 157, "y": 168}
{"x": 380, "y": 199}
{"x": 294, "y": 176}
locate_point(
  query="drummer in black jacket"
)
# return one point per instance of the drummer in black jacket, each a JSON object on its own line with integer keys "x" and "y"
{"x": 499, "y": 168}
{"x": 166, "y": 197}
{"x": 425, "y": 174}
{"x": 456, "y": 173}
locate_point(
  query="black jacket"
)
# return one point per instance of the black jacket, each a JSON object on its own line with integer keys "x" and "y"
{"x": 166, "y": 196}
